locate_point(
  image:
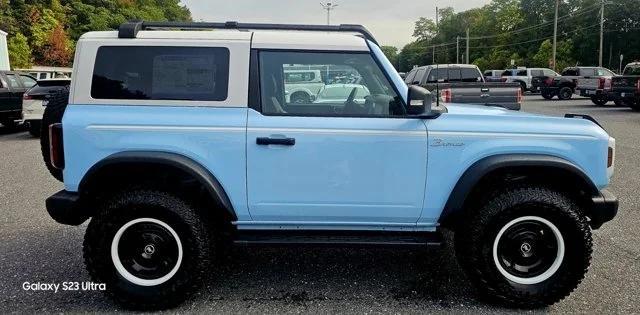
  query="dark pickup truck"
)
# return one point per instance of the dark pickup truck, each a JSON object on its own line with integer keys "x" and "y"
{"x": 565, "y": 85}
{"x": 465, "y": 84}
{"x": 626, "y": 88}
{"x": 12, "y": 87}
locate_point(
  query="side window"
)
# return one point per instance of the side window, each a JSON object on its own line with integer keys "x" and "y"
{"x": 410, "y": 76}
{"x": 549, "y": 73}
{"x": 438, "y": 74}
{"x": 537, "y": 73}
{"x": 570, "y": 72}
{"x": 27, "y": 81}
{"x": 13, "y": 81}
{"x": 470, "y": 75}
{"x": 352, "y": 85}
{"x": 587, "y": 72}
{"x": 161, "y": 73}
{"x": 507, "y": 73}
{"x": 419, "y": 75}
{"x": 522, "y": 73}
{"x": 42, "y": 76}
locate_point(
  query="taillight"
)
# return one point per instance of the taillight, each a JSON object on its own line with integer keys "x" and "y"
{"x": 445, "y": 94}
{"x": 520, "y": 96}
{"x": 638, "y": 86}
{"x": 548, "y": 81}
{"x": 604, "y": 84}
{"x": 601, "y": 84}
{"x": 26, "y": 96}
{"x": 56, "y": 147}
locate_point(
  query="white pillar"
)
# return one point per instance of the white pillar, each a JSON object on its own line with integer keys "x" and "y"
{"x": 4, "y": 52}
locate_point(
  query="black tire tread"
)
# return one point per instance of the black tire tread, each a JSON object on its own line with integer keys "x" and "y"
{"x": 53, "y": 113}
{"x": 501, "y": 292}
{"x": 199, "y": 243}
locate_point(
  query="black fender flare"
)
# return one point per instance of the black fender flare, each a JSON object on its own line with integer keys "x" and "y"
{"x": 484, "y": 166}
{"x": 181, "y": 162}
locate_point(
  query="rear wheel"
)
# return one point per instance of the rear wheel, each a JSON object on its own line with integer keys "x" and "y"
{"x": 565, "y": 93}
{"x": 150, "y": 248}
{"x": 300, "y": 98}
{"x": 526, "y": 247}
{"x": 546, "y": 94}
{"x": 52, "y": 115}
{"x": 599, "y": 100}
{"x": 9, "y": 124}
{"x": 634, "y": 104}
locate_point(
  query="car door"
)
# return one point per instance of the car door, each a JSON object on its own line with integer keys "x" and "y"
{"x": 341, "y": 164}
{"x": 14, "y": 98}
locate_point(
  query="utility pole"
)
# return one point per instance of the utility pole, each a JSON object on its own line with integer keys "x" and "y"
{"x": 602, "y": 2}
{"x": 329, "y": 6}
{"x": 458, "y": 49}
{"x": 555, "y": 35}
{"x": 468, "y": 45}
{"x": 437, "y": 29}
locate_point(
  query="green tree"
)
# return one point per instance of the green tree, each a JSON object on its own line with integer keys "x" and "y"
{"x": 564, "y": 52}
{"x": 425, "y": 29}
{"x": 19, "y": 51}
{"x": 392, "y": 54}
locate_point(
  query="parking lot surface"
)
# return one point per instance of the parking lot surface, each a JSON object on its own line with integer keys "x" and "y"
{"x": 34, "y": 248}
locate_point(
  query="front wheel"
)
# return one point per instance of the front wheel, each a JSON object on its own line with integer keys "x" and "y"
{"x": 546, "y": 94}
{"x": 150, "y": 248}
{"x": 634, "y": 104}
{"x": 599, "y": 100}
{"x": 526, "y": 247}
{"x": 34, "y": 128}
{"x": 565, "y": 93}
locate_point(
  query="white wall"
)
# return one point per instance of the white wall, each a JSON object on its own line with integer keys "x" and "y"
{"x": 4, "y": 52}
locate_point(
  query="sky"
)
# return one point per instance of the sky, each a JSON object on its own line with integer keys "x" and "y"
{"x": 390, "y": 21}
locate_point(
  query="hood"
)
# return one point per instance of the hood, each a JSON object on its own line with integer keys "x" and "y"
{"x": 490, "y": 119}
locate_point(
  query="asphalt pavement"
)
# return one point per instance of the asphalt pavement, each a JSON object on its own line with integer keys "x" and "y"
{"x": 35, "y": 249}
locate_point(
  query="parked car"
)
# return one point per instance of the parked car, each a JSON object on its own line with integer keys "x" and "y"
{"x": 626, "y": 88}
{"x": 12, "y": 86}
{"x": 597, "y": 87}
{"x": 171, "y": 168}
{"x": 35, "y": 100}
{"x": 302, "y": 86}
{"x": 342, "y": 93}
{"x": 494, "y": 76}
{"x": 464, "y": 84}
{"x": 566, "y": 84}
{"x": 525, "y": 77}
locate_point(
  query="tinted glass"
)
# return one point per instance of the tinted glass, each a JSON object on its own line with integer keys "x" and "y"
{"x": 508, "y": 73}
{"x": 470, "y": 74}
{"x": 522, "y": 73}
{"x": 410, "y": 76}
{"x": 27, "y": 81}
{"x": 438, "y": 74}
{"x": 549, "y": 72}
{"x": 161, "y": 73}
{"x": 352, "y": 85}
{"x": 537, "y": 73}
{"x": 632, "y": 70}
{"x": 13, "y": 81}
{"x": 42, "y": 76}
{"x": 587, "y": 72}
{"x": 419, "y": 75}
{"x": 49, "y": 86}
{"x": 570, "y": 72}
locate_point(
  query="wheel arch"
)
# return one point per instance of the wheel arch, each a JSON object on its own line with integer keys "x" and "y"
{"x": 115, "y": 166}
{"x": 490, "y": 172}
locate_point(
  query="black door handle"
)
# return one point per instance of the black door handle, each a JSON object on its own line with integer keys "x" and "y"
{"x": 276, "y": 141}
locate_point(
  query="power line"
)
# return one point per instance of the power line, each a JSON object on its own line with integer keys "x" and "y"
{"x": 568, "y": 16}
{"x": 538, "y": 39}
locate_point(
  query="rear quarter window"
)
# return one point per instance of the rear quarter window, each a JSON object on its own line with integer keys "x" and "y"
{"x": 161, "y": 73}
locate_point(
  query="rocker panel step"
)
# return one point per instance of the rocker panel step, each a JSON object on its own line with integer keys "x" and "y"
{"x": 338, "y": 238}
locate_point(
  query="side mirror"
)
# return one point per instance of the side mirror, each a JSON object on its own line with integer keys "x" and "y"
{"x": 419, "y": 101}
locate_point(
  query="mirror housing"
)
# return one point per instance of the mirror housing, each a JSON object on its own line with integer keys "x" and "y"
{"x": 419, "y": 101}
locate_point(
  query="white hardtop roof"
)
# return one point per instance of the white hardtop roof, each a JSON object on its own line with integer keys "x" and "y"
{"x": 266, "y": 39}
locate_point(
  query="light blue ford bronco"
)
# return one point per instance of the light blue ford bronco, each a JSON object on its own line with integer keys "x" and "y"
{"x": 181, "y": 139}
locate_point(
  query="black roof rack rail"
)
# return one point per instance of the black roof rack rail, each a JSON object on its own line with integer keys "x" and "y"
{"x": 130, "y": 29}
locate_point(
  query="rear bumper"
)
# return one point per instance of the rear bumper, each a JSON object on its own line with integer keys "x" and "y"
{"x": 15, "y": 114}
{"x": 604, "y": 209}
{"x": 65, "y": 207}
